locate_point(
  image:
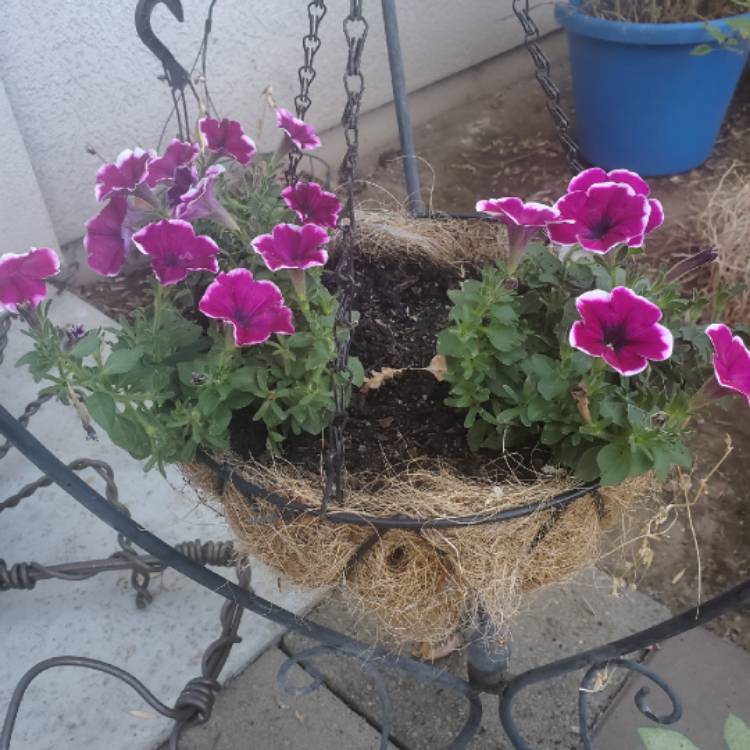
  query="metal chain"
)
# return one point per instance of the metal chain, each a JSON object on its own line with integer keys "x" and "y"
{"x": 355, "y": 31}
{"x": 549, "y": 87}
{"x": 31, "y": 409}
{"x": 316, "y": 11}
{"x": 5, "y": 321}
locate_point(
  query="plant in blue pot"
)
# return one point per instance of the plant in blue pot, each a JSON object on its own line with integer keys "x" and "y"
{"x": 653, "y": 79}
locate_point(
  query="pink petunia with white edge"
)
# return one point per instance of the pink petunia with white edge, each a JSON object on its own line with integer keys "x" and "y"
{"x": 731, "y": 359}
{"x": 227, "y": 138}
{"x": 602, "y": 217}
{"x": 201, "y": 202}
{"x": 125, "y": 176}
{"x": 312, "y": 204}
{"x": 254, "y": 309}
{"x": 294, "y": 247}
{"x": 178, "y": 154}
{"x": 175, "y": 250}
{"x": 22, "y": 277}
{"x": 109, "y": 235}
{"x": 301, "y": 134}
{"x": 622, "y": 328}
{"x": 523, "y": 221}
{"x": 595, "y": 175}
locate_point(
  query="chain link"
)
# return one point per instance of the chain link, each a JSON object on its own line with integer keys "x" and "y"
{"x": 549, "y": 87}
{"x": 5, "y": 321}
{"x": 316, "y": 11}
{"x": 355, "y": 30}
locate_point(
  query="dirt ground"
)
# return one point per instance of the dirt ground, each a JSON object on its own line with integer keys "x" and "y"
{"x": 506, "y": 145}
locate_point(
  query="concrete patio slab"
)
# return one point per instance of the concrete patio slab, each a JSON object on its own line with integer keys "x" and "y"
{"x": 711, "y": 676}
{"x": 161, "y": 645}
{"x": 253, "y": 712}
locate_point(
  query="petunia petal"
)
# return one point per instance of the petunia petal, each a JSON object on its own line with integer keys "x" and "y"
{"x": 125, "y": 175}
{"x": 177, "y": 154}
{"x": 292, "y": 246}
{"x": 312, "y": 204}
{"x": 300, "y": 133}
{"x": 22, "y": 277}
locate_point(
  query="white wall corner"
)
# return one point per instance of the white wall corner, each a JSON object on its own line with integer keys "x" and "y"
{"x": 24, "y": 219}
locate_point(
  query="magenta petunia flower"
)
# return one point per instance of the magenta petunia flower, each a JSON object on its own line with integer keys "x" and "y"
{"x": 22, "y": 277}
{"x": 200, "y": 202}
{"x": 109, "y": 235}
{"x": 254, "y": 309}
{"x": 523, "y": 221}
{"x": 312, "y": 204}
{"x": 175, "y": 250}
{"x": 177, "y": 155}
{"x": 227, "y": 138}
{"x": 589, "y": 177}
{"x": 301, "y": 134}
{"x": 125, "y": 176}
{"x": 600, "y": 218}
{"x": 290, "y": 246}
{"x": 622, "y": 328}
{"x": 184, "y": 179}
{"x": 731, "y": 359}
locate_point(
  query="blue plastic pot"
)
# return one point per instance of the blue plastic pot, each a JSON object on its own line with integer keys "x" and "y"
{"x": 643, "y": 101}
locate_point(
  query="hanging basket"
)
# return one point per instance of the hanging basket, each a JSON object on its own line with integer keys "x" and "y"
{"x": 420, "y": 547}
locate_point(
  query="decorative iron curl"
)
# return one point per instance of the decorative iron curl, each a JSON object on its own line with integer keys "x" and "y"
{"x": 589, "y": 681}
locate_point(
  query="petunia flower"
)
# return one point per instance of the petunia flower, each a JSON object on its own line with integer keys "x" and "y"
{"x": 254, "y": 309}
{"x": 227, "y": 138}
{"x": 200, "y": 202}
{"x": 126, "y": 176}
{"x": 184, "y": 179}
{"x": 301, "y": 134}
{"x": 523, "y": 221}
{"x": 595, "y": 175}
{"x": 731, "y": 359}
{"x": 312, "y": 204}
{"x": 622, "y": 328}
{"x": 600, "y": 218}
{"x": 175, "y": 250}
{"x": 290, "y": 246}
{"x": 109, "y": 235}
{"x": 177, "y": 155}
{"x": 22, "y": 277}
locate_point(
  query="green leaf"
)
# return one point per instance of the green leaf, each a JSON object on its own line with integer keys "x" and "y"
{"x": 503, "y": 338}
{"x": 122, "y": 361}
{"x": 101, "y": 407}
{"x": 130, "y": 436}
{"x": 451, "y": 344}
{"x": 701, "y": 49}
{"x": 655, "y": 738}
{"x": 614, "y": 463}
{"x": 587, "y": 468}
{"x": 245, "y": 379}
{"x": 86, "y": 346}
{"x": 736, "y": 733}
{"x": 357, "y": 371}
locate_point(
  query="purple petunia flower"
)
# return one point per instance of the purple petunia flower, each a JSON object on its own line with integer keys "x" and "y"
{"x": 622, "y": 328}
{"x": 301, "y": 134}
{"x": 227, "y": 138}
{"x": 175, "y": 250}
{"x": 177, "y": 155}
{"x": 312, "y": 204}
{"x": 290, "y": 246}
{"x": 600, "y": 218}
{"x": 731, "y": 359}
{"x": 200, "y": 202}
{"x": 523, "y": 221}
{"x": 109, "y": 235}
{"x": 254, "y": 309}
{"x": 22, "y": 277}
{"x": 125, "y": 176}
{"x": 184, "y": 179}
{"x": 589, "y": 177}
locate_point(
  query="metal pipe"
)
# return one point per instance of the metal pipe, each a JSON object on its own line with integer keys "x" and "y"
{"x": 401, "y": 100}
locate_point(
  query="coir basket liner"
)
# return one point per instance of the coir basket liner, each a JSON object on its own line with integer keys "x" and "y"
{"x": 421, "y": 547}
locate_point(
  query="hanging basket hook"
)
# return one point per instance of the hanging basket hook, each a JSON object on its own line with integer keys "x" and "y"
{"x": 177, "y": 77}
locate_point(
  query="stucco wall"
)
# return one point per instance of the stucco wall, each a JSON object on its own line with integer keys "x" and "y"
{"x": 76, "y": 74}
